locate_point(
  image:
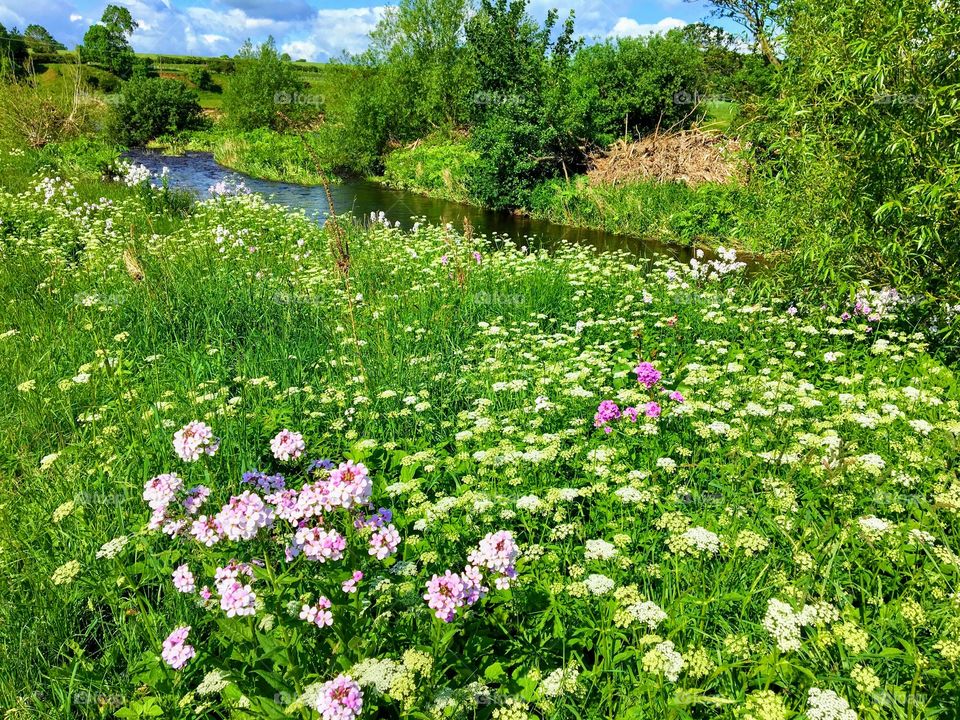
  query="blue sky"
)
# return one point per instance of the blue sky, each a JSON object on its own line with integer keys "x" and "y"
{"x": 311, "y": 29}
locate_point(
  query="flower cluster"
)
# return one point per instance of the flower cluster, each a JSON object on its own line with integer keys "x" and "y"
{"x": 447, "y": 593}
{"x": 193, "y": 440}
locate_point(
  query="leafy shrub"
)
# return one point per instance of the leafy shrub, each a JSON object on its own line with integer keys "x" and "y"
{"x": 437, "y": 167}
{"x": 634, "y": 85}
{"x": 201, "y": 78}
{"x": 149, "y": 107}
{"x": 263, "y": 87}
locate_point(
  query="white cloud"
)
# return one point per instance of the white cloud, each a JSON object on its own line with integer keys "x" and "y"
{"x": 628, "y": 27}
{"x": 75, "y": 17}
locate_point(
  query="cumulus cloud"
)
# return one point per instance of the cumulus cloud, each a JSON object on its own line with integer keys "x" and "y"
{"x": 628, "y": 27}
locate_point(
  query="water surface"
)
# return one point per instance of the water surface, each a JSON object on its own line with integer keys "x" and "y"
{"x": 198, "y": 171}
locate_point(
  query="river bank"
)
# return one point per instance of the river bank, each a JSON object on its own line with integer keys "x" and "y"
{"x": 438, "y": 168}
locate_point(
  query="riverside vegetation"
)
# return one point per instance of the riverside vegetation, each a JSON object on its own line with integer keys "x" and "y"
{"x": 259, "y": 468}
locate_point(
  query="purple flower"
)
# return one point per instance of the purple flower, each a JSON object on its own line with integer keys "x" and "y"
{"x": 607, "y": 411}
{"x": 319, "y": 613}
{"x": 653, "y": 410}
{"x": 175, "y": 651}
{"x": 340, "y": 699}
{"x": 384, "y": 542}
{"x": 677, "y": 396}
{"x": 647, "y": 374}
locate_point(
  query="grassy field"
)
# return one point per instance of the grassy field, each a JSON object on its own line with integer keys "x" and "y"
{"x": 659, "y": 490}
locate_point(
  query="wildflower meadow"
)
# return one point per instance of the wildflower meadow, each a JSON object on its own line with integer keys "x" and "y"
{"x": 256, "y": 467}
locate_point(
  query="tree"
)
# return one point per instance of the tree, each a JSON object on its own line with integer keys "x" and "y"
{"x": 107, "y": 42}
{"x": 13, "y": 51}
{"x": 264, "y": 90}
{"x": 760, "y": 18}
{"x": 150, "y": 107}
{"x": 527, "y": 128}
{"x": 40, "y": 40}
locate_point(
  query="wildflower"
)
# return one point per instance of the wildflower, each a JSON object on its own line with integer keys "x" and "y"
{"x": 607, "y": 411}
{"x": 175, "y": 651}
{"x": 384, "y": 542}
{"x": 339, "y": 699}
{"x": 27, "y": 386}
{"x": 348, "y": 486}
{"x": 648, "y": 613}
{"x": 652, "y": 410}
{"x": 677, "y": 396}
{"x": 47, "y": 460}
{"x": 647, "y": 375}
{"x": 765, "y": 705}
{"x": 64, "y": 510}
{"x": 112, "y": 548}
{"x": 318, "y": 544}
{"x": 664, "y": 660}
{"x": 445, "y": 593}
{"x": 236, "y": 599}
{"x": 827, "y": 705}
{"x": 243, "y": 516}
{"x": 287, "y": 445}
{"x": 599, "y": 550}
{"x": 65, "y": 574}
{"x": 183, "y": 579}
{"x": 193, "y": 440}
{"x": 319, "y": 613}
{"x": 159, "y": 491}
{"x": 350, "y": 585}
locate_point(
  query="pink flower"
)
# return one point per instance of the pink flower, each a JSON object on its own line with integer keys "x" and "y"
{"x": 350, "y": 586}
{"x": 287, "y": 445}
{"x": 607, "y": 411}
{"x": 159, "y": 491}
{"x": 319, "y": 613}
{"x": 349, "y": 486}
{"x": 340, "y": 699}
{"x": 384, "y": 542}
{"x": 653, "y": 410}
{"x": 647, "y": 374}
{"x": 175, "y": 651}
{"x": 444, "y": 260}
{"x": 630, "y": 413}
{"x": 473, "y": 587}
{"x": 243, "y": 516}
{"x": 205, "y": 531}
{"x": 445, "y": 593}
{"x": 319, "y": 544}
{"x": 677, "y": 396}
{"x": 193, "y": 440}
{"x": 478, "y": 258}
{"x": 237, "y": 599}
{"x": 496, "y": 551}
{"x": 183, "y": 579}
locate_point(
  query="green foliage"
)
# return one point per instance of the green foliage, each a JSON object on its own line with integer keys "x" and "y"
{"x": 524, "y": 131}
{"x": 107, "y": 43}
{"x": 39, "y": 39}
{"x": 632, "y": 86}
{"x": 201, "y": 78}
{"x": 720, "y": 561}
{"x": 868, "y": 116}
{"x": 264, "y": 90}
{"x": 13, "y": 52}
{"x": 438, "y": 167}
{"x": 149, "y": 107}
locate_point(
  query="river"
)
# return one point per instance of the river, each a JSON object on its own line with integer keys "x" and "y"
{"x": 196, "y": 172}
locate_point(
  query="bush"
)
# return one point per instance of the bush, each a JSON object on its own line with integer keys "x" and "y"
{"x": 635, "y": 85}
{"x": 201, "y": 78}
{"x": 149, "y": 107}
{"x": 264, "y": 92}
